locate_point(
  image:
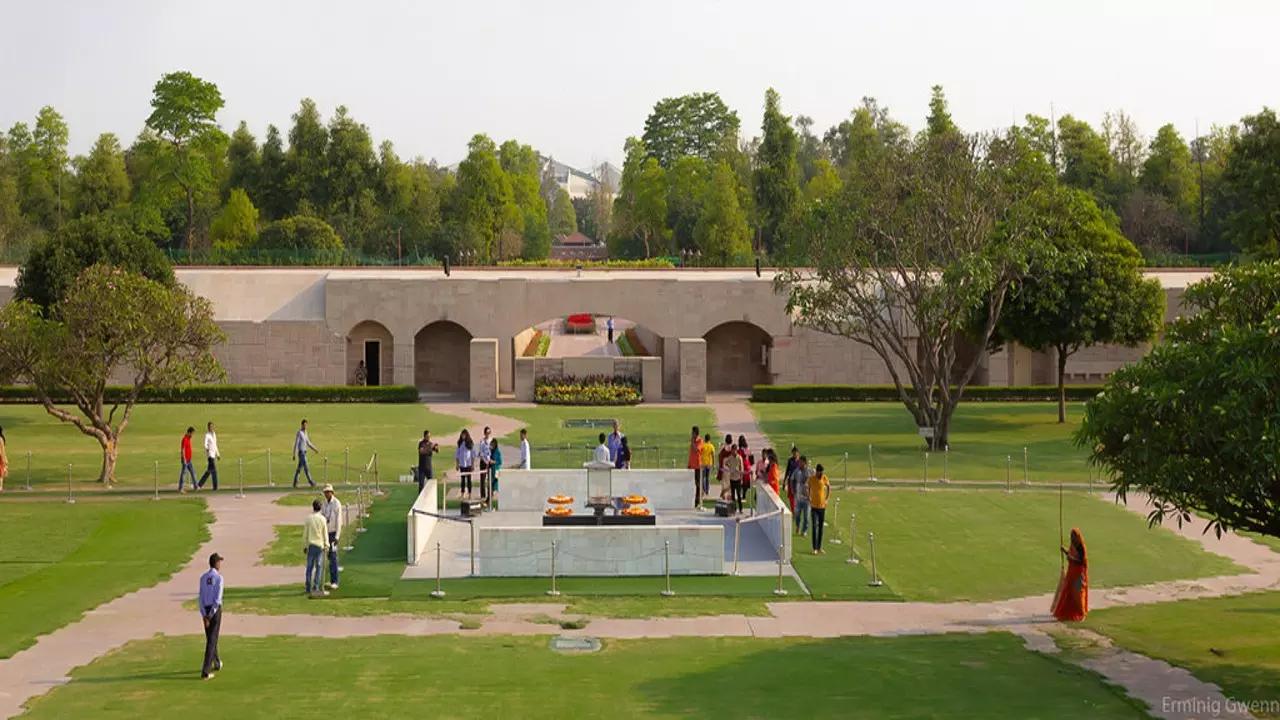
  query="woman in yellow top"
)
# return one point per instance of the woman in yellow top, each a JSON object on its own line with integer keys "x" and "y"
{"x": 4, "y": 460}
{"x": 708, "y": 461}
{"x": 819, "y": 493}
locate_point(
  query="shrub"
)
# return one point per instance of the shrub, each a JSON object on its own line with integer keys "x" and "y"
{"x": 302, "y": 233}
{"x": 591, "y": 390}
{"x": 633, "y": 340}
{"x": 887, "y": 393}
{"x": 624, "y": 347}
{"x": 243, "y": 394}
{"x": 544, "y": 344}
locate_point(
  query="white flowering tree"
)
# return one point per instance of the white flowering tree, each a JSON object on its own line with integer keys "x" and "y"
{"x": 1196, "y": 424}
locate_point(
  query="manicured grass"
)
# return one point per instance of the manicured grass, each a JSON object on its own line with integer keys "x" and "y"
{"x": 1271, "y": 542}
{"x": 948, "y": 545}
{"x": 58, "y": 561}
{"x": 666, "y": 429}
{"x": 1232, "y": 641}
{"x": 244, "y": 431}
{"x": 954, "y": 676}
{"x": 983, "y": 437}
{"x": 304, "y": 499}
{"x": 286, "y": 549}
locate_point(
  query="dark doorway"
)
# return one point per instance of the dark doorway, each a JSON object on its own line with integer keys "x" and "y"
{"x": 373, "y": 362}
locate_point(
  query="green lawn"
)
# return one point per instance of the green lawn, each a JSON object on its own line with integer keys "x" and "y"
{"x": 304, "y": 499}
{"x": 1271, "y": 542}
{"x": 945, "y": 545}
{"x": 1233, "y": 641}
{"x": 286, "y": 549}
{"x": 57, "y": 561}
{"x": 245, "y": 432}
{"x": 985, "y": 437}
{"x": 657, "y": 436}
{"x": 954, "y": 676}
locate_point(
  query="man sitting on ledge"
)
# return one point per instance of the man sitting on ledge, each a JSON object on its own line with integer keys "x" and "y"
{"x": 602, "y": 457}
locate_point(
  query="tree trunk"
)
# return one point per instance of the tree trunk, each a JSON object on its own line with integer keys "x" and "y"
{"x": 941, "y": 430}
{"x": 191, "y": 221}
{"x": 110, "y": 449}
{"x": 1062, "y": 385}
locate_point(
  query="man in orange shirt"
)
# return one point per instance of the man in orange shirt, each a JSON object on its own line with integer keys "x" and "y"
{"x": 695, "y": 464}
{"x": 186, "y": 461}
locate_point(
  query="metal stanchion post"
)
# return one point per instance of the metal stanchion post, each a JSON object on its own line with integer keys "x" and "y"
{"x": 553, "y": 592}
{"x": 28, "y": 471}
{"x": 270, "y": 482}
{"x": 737, "y": 535}
{"x": 346, "y": 521}
{"x": 835, "y": 525}
{"x": 924, "y": 479}
{"x": 1008, "y": 470}
{"x": 70, "y": 500}
{"x": 155, "y": 478}
{"x": 1026, "y": 478}
{"x": 667, "y": 572}
{"x": 852, "y": 560}
{"x": 779, "y": 591}
{"x": 346, "y": 465}
{"x": 871, "y": 463}
{"x": 946, "y": 457}
{"x": 875, "y": 576}
{"x": 437, "y": 593}
{"x": 360, "y": 511}
{"x": 1090, "y": 477}
{"x": 377, "y": 487}
{"x": 846, "y": 469}
{"x": 326, "y": 469}
{"x": 472, "y": 523}
{"x": 240, "y": 470}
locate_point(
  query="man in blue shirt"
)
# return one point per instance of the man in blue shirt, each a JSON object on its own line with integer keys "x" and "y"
{"x": 210, "y": 603}
{"x": 302, "y": 443}
{"x": 614, "y": 442}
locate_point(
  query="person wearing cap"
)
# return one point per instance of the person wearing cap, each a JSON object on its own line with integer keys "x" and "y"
{"x": 210, "y": 603}
{"x": 332, "y": 511}
{"x": 315, "y": 537}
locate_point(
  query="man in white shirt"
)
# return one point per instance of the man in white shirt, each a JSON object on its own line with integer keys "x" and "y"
{"x": 602, "y": 455}
{"x": 526, "y": 460}
{"x": 212, "y": 455}
{"x": 332, "y": 511}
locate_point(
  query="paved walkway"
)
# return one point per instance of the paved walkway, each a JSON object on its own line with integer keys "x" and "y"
{"x": 243, "y": 527}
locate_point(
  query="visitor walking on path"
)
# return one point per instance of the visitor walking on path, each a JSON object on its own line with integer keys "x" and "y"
{"x": 695, "y": 464}
{"x": 722, "y": 464}
{"x": 4, "y": 460}
{"x": 301, "y": 443}
{"x": 426, "y": 449}
{"x": 773, "y": 475}
{"x": 708, "y": 460}
{"x": 187, "y": 467}
{"x": 332, "y": 511}
{"x": 210, "y": 602}
{"x": 212, "y": 454}
{"x": 495, "y": 464}
{"x": 609, "y": 327}
{"x": 482, "y": 453}
{"x": 314, "y": 539}
{"x": 792, "y": 462}
{"x": 526, "y": 459}
{"x": 819, "y": 493}
{"x": 1071, "y": 603}
{"x": 800, "y": 495}
{"x": 742, "y": 481}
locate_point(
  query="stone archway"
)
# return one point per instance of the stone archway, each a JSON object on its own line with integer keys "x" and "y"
{"x": 442, "y": 358}
{"x": 737, "y": 357}
{"x": 367, "y": 341}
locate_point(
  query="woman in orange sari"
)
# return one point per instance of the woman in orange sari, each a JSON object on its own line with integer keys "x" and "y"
{"x": 1071, "y": 603}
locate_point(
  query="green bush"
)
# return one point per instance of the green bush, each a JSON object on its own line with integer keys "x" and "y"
{"x": 624, "y": 347}
{"x": 592, "y": 390}
{"x": 883, "y": 393}
{"x": 243, "y": 394}
{"x": 544, "y": 344}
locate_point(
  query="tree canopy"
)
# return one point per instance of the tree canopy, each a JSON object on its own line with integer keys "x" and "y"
{"x": 1193, "y": 424}
{"x": 698, "y": 125}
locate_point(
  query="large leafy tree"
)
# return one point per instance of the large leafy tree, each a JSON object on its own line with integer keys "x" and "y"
{"x": 101, "y": 177}
{"x": 700, "y": 125}
{"x": 855, "y": 141}
{"x": 528, "y": 231}
{"x": 722, "y": 234}
{"x": 272, "y": 189}
{"x": 1193, "y": 425}
{"x": 1084, "y": 287}
{"x": 482, "y": 199}
{"x": 640, "y": 210}
{"x": 1168, "y": 171}
{"x": 686, "y": 189}
{"x": 919, "y": 239}
{"x": 564, "y": 219}
{"x": 237, "y": 225}
{"x": 112, "y": 323}
{"x": 777, "y": 176}
{"x": 1251, "y": 186}
{"x": 306, "y": 165}
{"x": 184, "y": 112}
{"x": 244, "y": 161}
{"x": 1084, "y": 158}
{"x": 51, "y": 269}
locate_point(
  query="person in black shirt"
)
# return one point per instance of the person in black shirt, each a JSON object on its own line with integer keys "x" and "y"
{"x": 426, "y": 449}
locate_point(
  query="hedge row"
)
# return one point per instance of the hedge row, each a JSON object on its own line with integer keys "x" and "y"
{"x": 867, "y": 393}
{"x": 244, "y": 394}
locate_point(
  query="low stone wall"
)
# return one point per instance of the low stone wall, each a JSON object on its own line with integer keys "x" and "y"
{"x": 529, "y": 489}
{"x": 600, "y": 551}
{"x": 421, "y": 526}
{"x": 777, "y": 528}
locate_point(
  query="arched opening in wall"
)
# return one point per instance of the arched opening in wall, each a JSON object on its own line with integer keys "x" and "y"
{"x": 442, "y": 358}
{"x": 737, "y": 357}
{"x": 587, "y": 335}
{"x": 370, "y": 355}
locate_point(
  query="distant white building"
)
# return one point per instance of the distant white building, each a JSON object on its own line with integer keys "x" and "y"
{"x": 579, "y": 184}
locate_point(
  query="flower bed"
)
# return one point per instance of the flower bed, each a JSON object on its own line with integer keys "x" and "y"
{"x": 581, "y": 323}
{"x": 593, "y": 390}
{"x": 538, "y": 345}
{"x": 630, "y": 346}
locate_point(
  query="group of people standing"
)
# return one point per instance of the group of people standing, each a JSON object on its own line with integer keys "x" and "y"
{"x": 467, "y": 455}
{"x": 808, "y": 491}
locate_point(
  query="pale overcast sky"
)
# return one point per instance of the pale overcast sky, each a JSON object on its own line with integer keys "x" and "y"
{"x": 574, "y": 78}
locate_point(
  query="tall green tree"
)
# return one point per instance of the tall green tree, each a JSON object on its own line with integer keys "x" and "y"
{"x": 273, "y": 180}
{"x": 1085, "y": 287}
{"x": 351, "y": 163}
{"x": 870, "y": 130}
{"x": 824, "y": 185}
{"x": 520, "y": 163}
{"x": 722, "y": 234}
{"x": 640, "y": 210}
{"x": 483, "y": 196}
{"x": 244, "y": 161}
{"x": 237, "y": 225}
{"x": 939, "y": 122}
{"x": 564, "y": 219}
{"x": 1250, "y": 189}
{"x": 112, "y": 323}
{"x": 1085, "y": 159}
{"x": 1167, "y": 171}
{"x": 1124, "y": 142}
{"x": 700, "y": 125}
{"x": 686, "y": 190}
{"x": 777, "y": 176}
{"x": 101, "y": 178}
{"x": 184, "y": 112}
{"x": 809, "y": 149}
{"x": 1192, "y": 425}
{"x": 306, "y": 162}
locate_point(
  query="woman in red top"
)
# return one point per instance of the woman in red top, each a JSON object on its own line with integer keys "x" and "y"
{"x": 186, "y": 461}
{"x": 695, "y": 464}
{"x": 774, "y": 475}
{"x": 1071, "y": 604}
{"x": 741, "y": 484}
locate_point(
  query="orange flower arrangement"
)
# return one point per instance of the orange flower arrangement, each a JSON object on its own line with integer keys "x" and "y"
{"x": 560, "y": 500}
{"x": 634, "y": 499}
{"x": 559, "y": 511}
{"x": 636, "y": 511}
